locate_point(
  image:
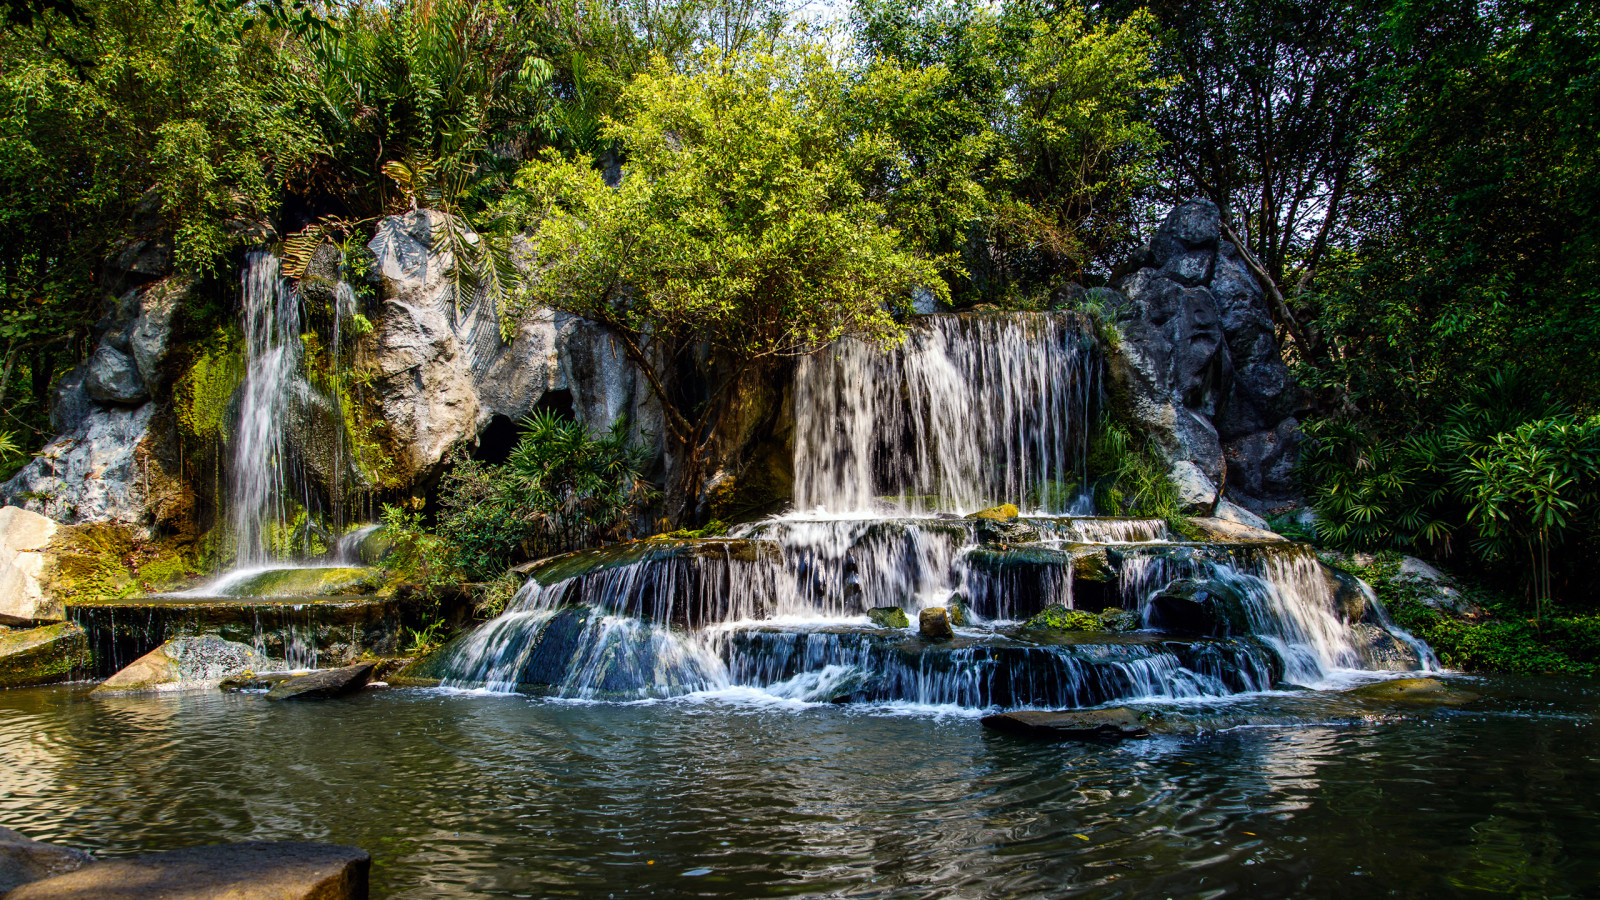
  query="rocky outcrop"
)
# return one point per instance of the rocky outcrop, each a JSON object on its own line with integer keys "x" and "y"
{"x": 185, "y": 663}
{"x": 23, "y": 860}
{"x": 42, "y": 655}
{"x": 1195, "y": 364}
{"x": 253, "y": 870}
{"x": 443, "y": 371}
{"x": 110, "y": 462}
{"x": 23, "y": 599}
{"x": 324, "y": 684}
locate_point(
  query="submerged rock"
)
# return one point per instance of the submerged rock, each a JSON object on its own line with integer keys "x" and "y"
{"x": 324, "y": 684}
{"x": 1413, "y": 690}
{"x": 185, "y": 663}
{"x": 23, "y": 600}
{"x": 42, "y": 655}
{"x": 23, "y": 860}
{"x": 889, "y": 617}
{"x": 934, "y": 623}
{"x": 253, "y": 870}
{"x": 1071, "y": 725}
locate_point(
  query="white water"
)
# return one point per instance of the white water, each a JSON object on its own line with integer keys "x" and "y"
{"x": 256, "y": 500}
{"x": 973, "y": 411}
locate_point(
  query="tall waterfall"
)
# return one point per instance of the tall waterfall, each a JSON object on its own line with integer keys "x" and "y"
{"x": 272, "y": 364}
{"x": 974, "y": 410}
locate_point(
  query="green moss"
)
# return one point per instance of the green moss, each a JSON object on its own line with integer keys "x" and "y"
{"x": 1002, "y": 512}
{"x": 1059, "y": 618}
{"x": 889, "y": 617}
{"x": 42, "y": 655}
{"x": 91, "y": 563}
{"x": 202, "y": 394}
{"x": 1187, "y": 530}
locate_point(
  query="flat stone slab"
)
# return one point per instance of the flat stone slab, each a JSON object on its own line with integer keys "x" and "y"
{"x": 325, "y": 684}
{"x": 1071, "y": 724}
{"x": 253, "y": 870}
{"x": 23, "y": 860}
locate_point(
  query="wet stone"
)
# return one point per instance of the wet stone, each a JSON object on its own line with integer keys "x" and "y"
{"x": 325, "y": 684}
{"x": 1071, "y": 725}
{"x": 934, "y": 623}
{"x": 889, "y": 617}
{"x": 1413, "y": 690}
{"x": 23, "y": 860}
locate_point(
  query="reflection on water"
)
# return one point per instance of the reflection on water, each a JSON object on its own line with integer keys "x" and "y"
{"x": 471, "y": 795}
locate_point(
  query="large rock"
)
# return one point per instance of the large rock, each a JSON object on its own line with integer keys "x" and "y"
{"x": 92, "y": 474}
{"x": 42, "y": 655}
{"x": 23, "y": 600}
{"x": 113, "y": 377}
{"x": 23, "y": 860}
{"x": 934, "y": 623}
{"x": 1071, "y": 724}
{"x": 1196, "y": 366}
{"x": 324, "y": 684}
{"x": 185, "y": 663}
{"x": 1419, "y": 691}
{"x": 444, "y": 372}
{"x": 253, "y": 870}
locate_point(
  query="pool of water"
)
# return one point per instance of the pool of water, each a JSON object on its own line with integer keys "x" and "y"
{"x": 474, "y": 795}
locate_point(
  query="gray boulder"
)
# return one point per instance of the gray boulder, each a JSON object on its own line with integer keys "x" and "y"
{"x": 113, "y": 377}
{"x": 23, "y": 860}
{"x": 91, "y": 474}
{"x": 23, "y": 600}
{"x": 253, "y": 870}
{"x": 1196, "y": 366}
{"x": 185, "y": 663}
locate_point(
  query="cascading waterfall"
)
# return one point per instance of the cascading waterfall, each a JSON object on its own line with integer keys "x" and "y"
{"x": 973, "y": 411}
{"x": 272, "y": 361}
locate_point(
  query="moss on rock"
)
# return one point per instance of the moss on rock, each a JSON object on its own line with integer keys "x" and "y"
{"x": 1057, "y": 617}
{"x": 1003, "y": 512}
{"x": 42, "y": 655}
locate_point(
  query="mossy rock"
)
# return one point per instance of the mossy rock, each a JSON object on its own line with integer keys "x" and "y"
{"x": 42, "y": 655}
{"x": 960, "y": 611}
{"x": 1059, "y": 618}
{"x": 89, "y": 563}
{"x": 1115, "y": 619}
{"x": 1001, "y": 513}
{"x": 889, "y": 617}
{"x": 321, "y": 582}
{"x": 204, "y": 393}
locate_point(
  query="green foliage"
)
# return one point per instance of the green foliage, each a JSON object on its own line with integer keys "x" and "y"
{"x": 560, "y": 490}
{"x": 1021, "y": 151}
{"x": 1128, "y": 475}
{"x": 418, "y": 556}
{"x": 1499, "y": 638}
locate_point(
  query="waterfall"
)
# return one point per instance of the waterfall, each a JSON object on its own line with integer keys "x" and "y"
{"x": 972, "y": 411}
{"x": 272, "y": 362}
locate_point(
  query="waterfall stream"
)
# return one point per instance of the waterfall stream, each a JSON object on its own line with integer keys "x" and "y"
{"x": 272, "y": 362}
{"x": 890, "y": 447}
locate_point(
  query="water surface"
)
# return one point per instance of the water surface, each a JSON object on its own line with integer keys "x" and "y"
{"x": 474, "y": 795}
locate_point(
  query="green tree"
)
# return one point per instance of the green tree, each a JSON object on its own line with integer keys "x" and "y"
{"x": 739, "y": 235}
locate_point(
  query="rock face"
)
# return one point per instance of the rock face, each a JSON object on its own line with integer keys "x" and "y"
{"x": 23, "y": 534}
{"x": 254, "y": 870}
{"x": 186, "y": 663}
{"x": 324, "y": 684}
{"x": 23, "y": 860}
{"x": 1071, "y": 725}
{"x": 108, "y": 463}
{"x": 42, "y": 655}
{"x": 443, "y": 372}
{"x": 1198, "y": 367}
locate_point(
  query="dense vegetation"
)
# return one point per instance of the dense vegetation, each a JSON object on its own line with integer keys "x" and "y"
{"x": 1417, "y": 183}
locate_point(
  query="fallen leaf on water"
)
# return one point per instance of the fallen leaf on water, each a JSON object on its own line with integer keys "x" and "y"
{"x": 1081, "y": 837}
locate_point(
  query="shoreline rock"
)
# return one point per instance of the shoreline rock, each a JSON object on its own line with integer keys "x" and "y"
{"x": 323, "y": 685}
{"x": 252, "y": 870}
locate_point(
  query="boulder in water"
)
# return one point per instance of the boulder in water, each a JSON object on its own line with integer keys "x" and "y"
{"x": 253, "y": 870}
{"x": 1003, "y": 512}
{"x": 185, "y": 663}
{"x": 1071, "y": 724}
{"x": 324, "y": 684}
{"x": 889, "y": 617}
{"x": 960, "y": 611}
{"x": 41, "y": 655}
{"x": 23, "y": 860}
{"x": 1199, "y": 606}
{"x": 1004, "y": 532}
{"x": 934, "y": 623}
{"x": 1413, "y": 690}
